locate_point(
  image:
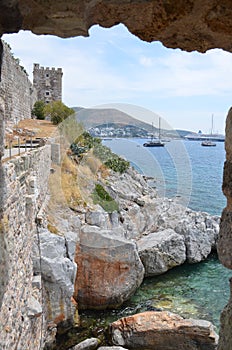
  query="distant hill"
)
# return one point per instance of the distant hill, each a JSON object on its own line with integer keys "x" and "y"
{"x": 92, "y": 118}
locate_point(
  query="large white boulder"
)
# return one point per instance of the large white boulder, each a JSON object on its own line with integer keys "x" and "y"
{"x": 161, "y": 251}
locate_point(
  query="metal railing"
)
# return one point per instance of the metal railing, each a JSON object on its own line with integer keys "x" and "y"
{"x": 16, "y": 149}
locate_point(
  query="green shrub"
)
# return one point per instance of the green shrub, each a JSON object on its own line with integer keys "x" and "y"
{"x": 117, "y": 164}
{"x": 103, "y": 198}
{"x": 110, "y": 159}
{"x": 77, "y": 150}
{"x": 106, "y": 156}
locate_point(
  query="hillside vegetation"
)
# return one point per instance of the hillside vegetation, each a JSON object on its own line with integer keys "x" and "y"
{"x": 81, "y": 181}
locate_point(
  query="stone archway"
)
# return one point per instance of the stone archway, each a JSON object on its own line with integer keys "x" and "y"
{"x": 186, "y": 24}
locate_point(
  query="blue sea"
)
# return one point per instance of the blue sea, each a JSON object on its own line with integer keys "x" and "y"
{"x": 193, "y": 175}
{"x": 182, "y": 169}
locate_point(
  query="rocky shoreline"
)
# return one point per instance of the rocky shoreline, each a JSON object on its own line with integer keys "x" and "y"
{"x": 98, "y": 259}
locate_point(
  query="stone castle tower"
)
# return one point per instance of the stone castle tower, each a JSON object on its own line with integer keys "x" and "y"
{"x": 48, "y": 83}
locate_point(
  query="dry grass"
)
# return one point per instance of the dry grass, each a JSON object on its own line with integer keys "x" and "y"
{"x": 52, "y": 228}
{"x": 104, "y": 171}
{"x": 64, "y": 193}
{"x": 41, "y": 128}
{"x": 72, "y": 185}
{"x": 63, "y": 185}
{"x": 56, "y": 194}
{"x": 69, "y": 182}
{"x": 91, "y": 162}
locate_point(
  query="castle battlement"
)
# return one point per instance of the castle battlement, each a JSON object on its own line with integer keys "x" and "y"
{"x": 52, "y": 69}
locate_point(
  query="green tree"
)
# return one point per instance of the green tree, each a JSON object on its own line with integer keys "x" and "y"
{"x": 38, "y": 110}
{"x": 57, "y": 111}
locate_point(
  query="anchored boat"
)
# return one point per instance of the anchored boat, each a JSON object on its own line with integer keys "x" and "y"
{"x": 209, "y": 143}
{"x": 154, "y": 142}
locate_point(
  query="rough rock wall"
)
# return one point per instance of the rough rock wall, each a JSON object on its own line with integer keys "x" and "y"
{"x": 2, "y": 105}
{"x": 26, "y": 180}
{"x": 225, "y": 238}
{"x": 16, "y": 91}
{"x": 186, "y": 24}
{"x": 3, "y": 271}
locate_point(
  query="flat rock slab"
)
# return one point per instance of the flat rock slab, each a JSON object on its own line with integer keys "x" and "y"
{"x": 163, "y": 330}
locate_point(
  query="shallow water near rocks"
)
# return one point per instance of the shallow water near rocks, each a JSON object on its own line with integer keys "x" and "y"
{"x": 193, "y": 291}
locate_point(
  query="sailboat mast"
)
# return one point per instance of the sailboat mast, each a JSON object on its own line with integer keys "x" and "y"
{"x": 212, "y": 125}
{"x": 159, "y": 128}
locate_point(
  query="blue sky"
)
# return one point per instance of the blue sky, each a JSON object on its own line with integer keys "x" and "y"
{"x": 113, "y": 66}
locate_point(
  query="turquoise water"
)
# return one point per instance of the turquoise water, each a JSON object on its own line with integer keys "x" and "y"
{"x": 193, "y": 291}
{"x": 193, "y": 174}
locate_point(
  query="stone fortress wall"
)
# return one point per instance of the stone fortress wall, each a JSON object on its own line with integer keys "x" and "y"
{"x": 16, "y": 90}
{"x": 25, "y": 185}
{"x": 23, "y": 189}
{"x": 18, "y": 94}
